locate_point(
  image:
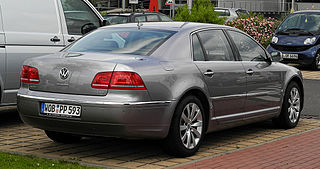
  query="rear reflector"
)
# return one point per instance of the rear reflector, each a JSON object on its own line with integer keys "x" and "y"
{"x": 118, "y": 81}
{"x": 29, "y": 75}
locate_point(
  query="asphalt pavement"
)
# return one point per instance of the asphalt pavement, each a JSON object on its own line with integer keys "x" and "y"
{"x": 311, "y": 107}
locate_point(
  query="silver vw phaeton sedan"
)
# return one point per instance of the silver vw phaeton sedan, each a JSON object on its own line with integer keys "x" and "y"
{"x": 172, "y": 81}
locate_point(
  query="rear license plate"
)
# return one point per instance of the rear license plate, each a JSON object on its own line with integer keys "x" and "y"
{"x": 289, "y": 56}
{"x": 60, "y": 110}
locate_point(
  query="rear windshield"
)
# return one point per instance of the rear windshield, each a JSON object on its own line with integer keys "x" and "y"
{"x": 121, "y": 40}
{"x": 116, "y": 19}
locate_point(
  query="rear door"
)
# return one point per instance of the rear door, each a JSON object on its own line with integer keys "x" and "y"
{"x": 264, "y": 79}
{"x": 222, "y": 72}
{"x": 32, "y": 29}
{"x": 77, "y": 15}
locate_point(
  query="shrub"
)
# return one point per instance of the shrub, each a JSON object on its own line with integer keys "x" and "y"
{"x": 202, "y": 11}
{"x": 260, "y": 28}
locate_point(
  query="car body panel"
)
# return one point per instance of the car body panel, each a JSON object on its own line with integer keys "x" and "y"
{"x": 30, "y": 37}
{"x": 169, "y": 74}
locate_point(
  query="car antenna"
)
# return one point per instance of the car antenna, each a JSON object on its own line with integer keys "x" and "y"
{"x": 139, "y": 25}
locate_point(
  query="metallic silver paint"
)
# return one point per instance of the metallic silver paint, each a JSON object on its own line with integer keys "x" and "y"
{"x": 169, "y": 73}
{"x": 246, "y": 113}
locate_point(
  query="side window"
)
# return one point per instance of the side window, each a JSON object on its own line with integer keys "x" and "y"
{"x": 164, "y": 18}
{"x": 140, "y": 19}
{"x": 198, "y": 54}
{"x": 249, "y": 49}
{"x": 153, "y": 18}
{"x": 78, "y": 14}
{"x": 216, "y": 45}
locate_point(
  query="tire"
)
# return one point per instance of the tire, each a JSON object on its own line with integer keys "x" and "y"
{"x": 316, "y": 63}
{"x": 63, "y": 137}
{"x": 187, "y": 128}
{"x": 291, "y": 107}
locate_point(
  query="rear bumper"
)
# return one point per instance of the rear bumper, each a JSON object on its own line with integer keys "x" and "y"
{"x": 98, "y": 117}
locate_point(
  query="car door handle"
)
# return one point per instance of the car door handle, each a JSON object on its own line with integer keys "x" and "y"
{"x": 250, "y": 72}
{"x": 209, "y": 73}
{"x": 71, "y": 39}
{"x": 55, "y": 39}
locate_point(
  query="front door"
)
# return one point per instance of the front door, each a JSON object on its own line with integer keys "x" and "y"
{"x": 264, "y": 80}
{"x": 223, "y": 74}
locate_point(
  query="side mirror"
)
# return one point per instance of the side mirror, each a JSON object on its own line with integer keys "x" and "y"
{"x": 87, "y": 28}
{"x": 276, "y": 56}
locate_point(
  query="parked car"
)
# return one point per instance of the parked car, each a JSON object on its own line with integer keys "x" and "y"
{"x": 46, "y": 27}
{"x": 173, "y": 81}
{"x": 297, "y": 39}
{"x": 118, "y": 18}
{"x": 230, "y": 13}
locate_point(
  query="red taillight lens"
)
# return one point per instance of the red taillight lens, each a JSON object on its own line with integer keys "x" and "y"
{"x": 101, "y": 80}
{"x": 126, "y": 81}
{"x": 118, "y": 81}
{"x": 29, "y": 75}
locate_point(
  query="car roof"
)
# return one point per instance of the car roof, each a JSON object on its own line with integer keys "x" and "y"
{"x": 307, "y": 11}
{"x": 174, "y": 26}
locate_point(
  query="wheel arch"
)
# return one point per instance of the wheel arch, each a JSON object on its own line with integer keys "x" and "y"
{"x": 300, "y": 84}
{"x": 200, "y": 94}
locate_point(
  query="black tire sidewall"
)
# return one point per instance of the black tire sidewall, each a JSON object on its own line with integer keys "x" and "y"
{"x": 314, "y": 63}
{"x": 173, "y": 144}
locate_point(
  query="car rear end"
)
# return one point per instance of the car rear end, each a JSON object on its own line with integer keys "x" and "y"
{"x": 94, "y": 93}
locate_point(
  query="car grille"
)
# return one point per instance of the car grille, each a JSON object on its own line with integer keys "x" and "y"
{"x": 290, "y": 48}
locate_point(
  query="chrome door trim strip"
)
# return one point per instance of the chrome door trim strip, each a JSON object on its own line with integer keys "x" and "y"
{"x": 241, "y": 95}
{"x": 245, "y": 113}
{"x": 93, "y": 102}
{"x": 228, "y": 96}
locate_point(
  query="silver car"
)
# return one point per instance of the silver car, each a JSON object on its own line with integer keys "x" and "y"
{"x": 174, "y": 81}
{"x": 230, "y": 13}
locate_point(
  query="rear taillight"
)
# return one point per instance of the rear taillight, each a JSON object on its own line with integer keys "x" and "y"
{"x": 118, "y": 81}
{"x": 29, "y": 75}
{"x": 101, "y": 80}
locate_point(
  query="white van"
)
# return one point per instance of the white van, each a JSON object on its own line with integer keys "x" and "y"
{"x": 30, "y": 28}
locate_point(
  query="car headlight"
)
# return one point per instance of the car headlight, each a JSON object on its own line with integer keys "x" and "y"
{"x": 274, "y": 39}
{"x": 309, "y": 41}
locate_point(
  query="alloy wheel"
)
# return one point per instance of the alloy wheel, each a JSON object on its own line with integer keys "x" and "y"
{"x": 294, "y": 105}
{"x": 191, "y": 125}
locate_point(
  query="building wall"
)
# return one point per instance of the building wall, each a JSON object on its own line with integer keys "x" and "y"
{"x": 257, "y": 5}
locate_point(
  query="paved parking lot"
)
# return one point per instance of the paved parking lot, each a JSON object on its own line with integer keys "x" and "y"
{"x": 110, "y": 152}
{"x": 20, "y": 138}
{"x": 308, "y": 74}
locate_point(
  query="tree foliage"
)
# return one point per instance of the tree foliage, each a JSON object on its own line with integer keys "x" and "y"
{"x": 202, "y": 11}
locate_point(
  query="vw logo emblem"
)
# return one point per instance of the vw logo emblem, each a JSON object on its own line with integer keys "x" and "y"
{"x": 64, "y": 73}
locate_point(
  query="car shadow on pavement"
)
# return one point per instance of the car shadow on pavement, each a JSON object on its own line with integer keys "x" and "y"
{"x": 9, "y": 115}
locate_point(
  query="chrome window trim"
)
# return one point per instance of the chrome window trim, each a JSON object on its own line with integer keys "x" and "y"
{"x": 245, "y": 113}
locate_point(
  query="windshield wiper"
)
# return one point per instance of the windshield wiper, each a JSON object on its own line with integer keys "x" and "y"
{"x": 307, "y": 33}
{"x": 282, "y": 33}
{"x": 294, "y": 29}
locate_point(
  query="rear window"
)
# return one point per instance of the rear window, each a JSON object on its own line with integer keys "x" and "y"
{"x": 121, "y": 40}
{"x": 222, "y": 12}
